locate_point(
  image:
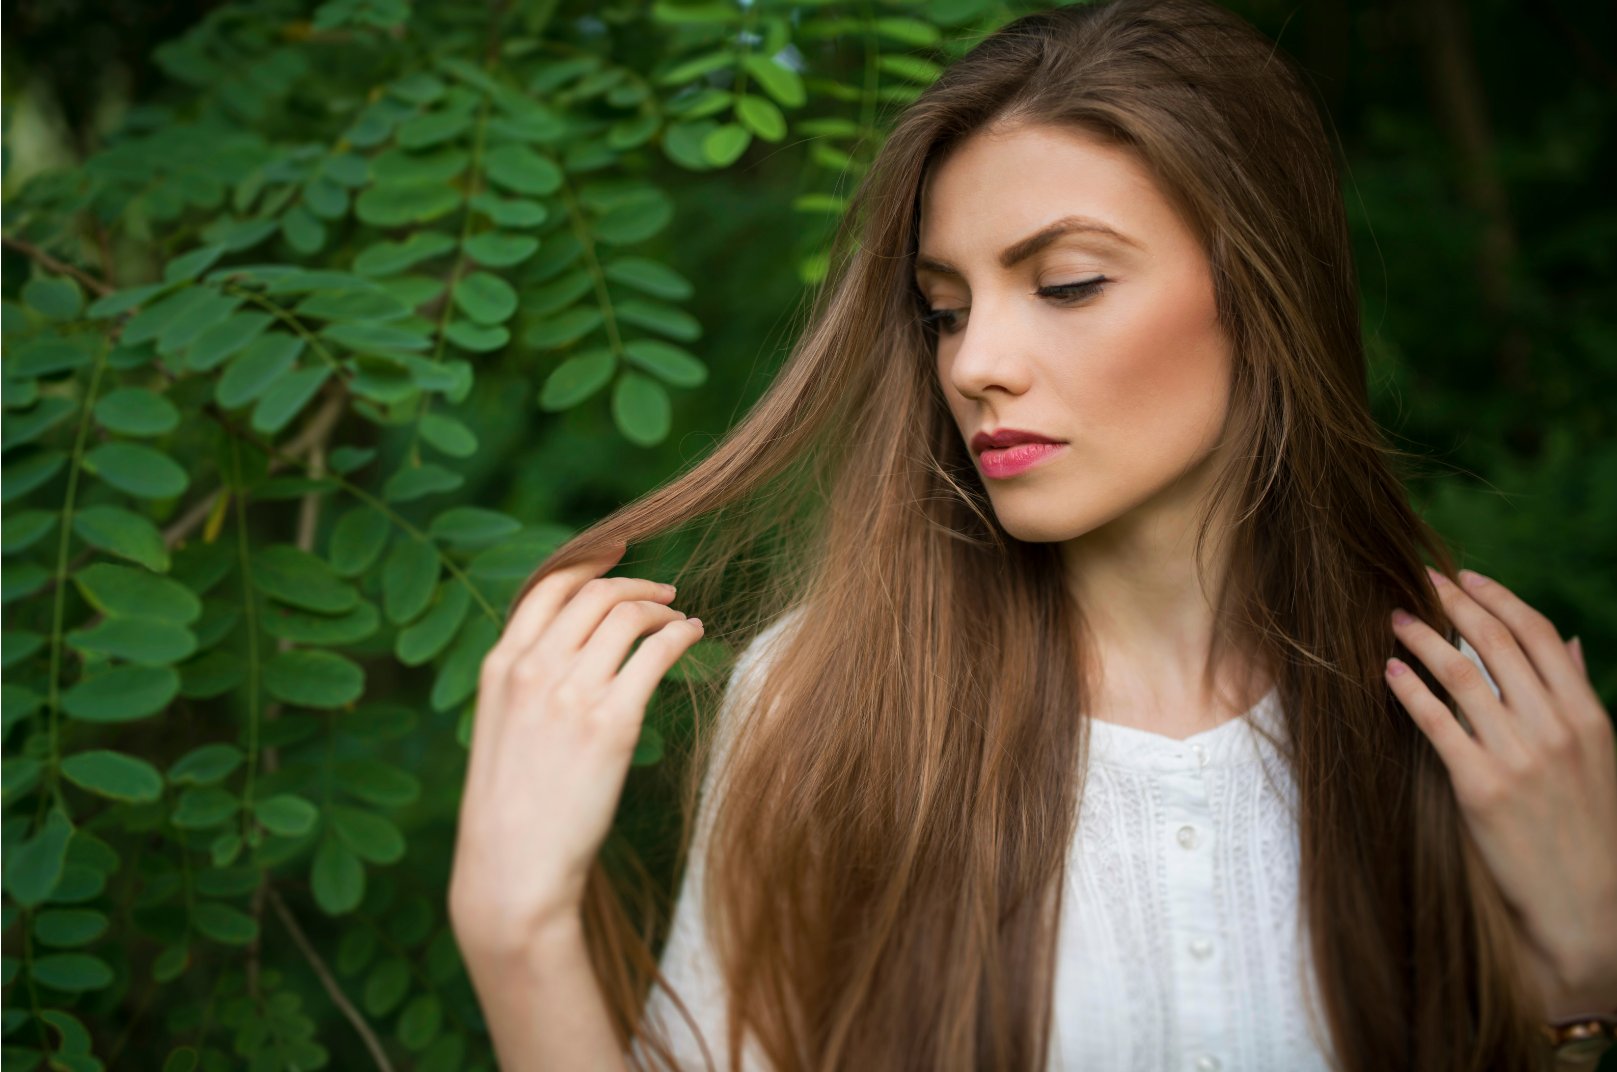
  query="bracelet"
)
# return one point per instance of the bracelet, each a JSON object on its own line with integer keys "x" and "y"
{"x": 1581, "y": 1036}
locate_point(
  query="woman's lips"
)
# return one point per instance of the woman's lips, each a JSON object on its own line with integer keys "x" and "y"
{"x": 1009, "y": 461}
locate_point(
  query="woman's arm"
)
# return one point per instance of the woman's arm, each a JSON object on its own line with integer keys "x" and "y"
{"x": 544, "y": 1007}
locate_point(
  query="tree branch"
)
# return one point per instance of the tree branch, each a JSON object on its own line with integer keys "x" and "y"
{"x": 329, "y": 981}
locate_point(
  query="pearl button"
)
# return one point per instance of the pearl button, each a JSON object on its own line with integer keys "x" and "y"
{"x": 1201, "y": 948}
{"x": 1201, "y": 755}
{"x": 1206, "y": 1062}
{"x": 1187, "y": 836}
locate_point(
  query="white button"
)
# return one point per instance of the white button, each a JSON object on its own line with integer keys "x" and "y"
{"x": 1187, "y": 836}
{"x": 1206, "y": 1062}
{"x": 1201, "y": 948}
{"x": 1201, "y": 755}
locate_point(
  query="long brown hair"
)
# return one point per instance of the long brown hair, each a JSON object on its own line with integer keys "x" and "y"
{"x": 885, "y": 867}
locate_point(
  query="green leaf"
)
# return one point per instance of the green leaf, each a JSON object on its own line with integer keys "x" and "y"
{"x": 724, "y": 145}
{"x": 123, "y": 533}
{"x": 478, "y": 338}
{"x": 19, "y": 479}
{"x": 457, "y": 676}
{"x": 224, "y": 923}
{"x": 913, "y": 68}
{"x": 472, "y": 526}
{"x": 414, "y": 482}
{"x": 286, "y": 398}
{"x": 122, "y": 694}
{"x": 561, "y": 330}
{"x": 667, "y": 362}
{"x": 325, "y": 198}
{"x": 155, "y": 318}
{"x": 391, "y": 258}
{"x": 23, "y": 530}
{"x": 408, "y": 578}
{"x": 198, "y": 316}
{"x": 495, "y": 249}
{"x": 69, "y": 927}
{"x": 324, "y": 629}
{"x": 224, "y": 339}
{"x": 420, "y": 1021}
{"x": 522, "y": 170}
{"x": 386, "y": 985}
{"x": 448, "y": 435}
{"x": 355, "y": 304}
{"x": 376, "y": 782}
{"x": 48, "y": 356}
{"x": 372, "y": 837}
{"x": 169, "y": 965}
{"x": 54, "y": 297}
{"x": 204, "y": 807}
{"x": 780, "y": 82}
{"x": 640, "y": 409}
{"x": 121, "y": 301}
{"x": 655, "y": 316}
{"x": 321, "y": 679}
{"x": 123, "y": 590}
{"x": 186, "y": 267}
{"x": 397, "y": 204}
{"x": 137, "y": 470}
{"x": 33, "y": 868}
{"x": 357, "y": 539}
{"x": 261, "y": 364}
{"x": 206, "y": 764}
{"x": 286, "y": 814}
{"x": 27, "y": 427}
{"x": 149, "y": 641}
{"x": 423, "y": 640}
{"x": 655, "y": 279}
{"x": 114, "y": 775}
{"x": 74, "y": 972}
{"x": 433, "y": 128}
{"x": 369, "y": 336}
{"x": 576, "y": 379}
{"x": 337, "y": 877}
{"x": 136, "y": 411}
{"x": 485, "y": 297}
{"x": 761, "y": 117}
{"x": 631, "y": 221}
{"x": 299, "y": 579}
{"x": 510, "y": 212}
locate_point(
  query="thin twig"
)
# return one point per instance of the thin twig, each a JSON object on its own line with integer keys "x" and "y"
{"x": 327, "y": 980}
{"x": 60, "y": 267}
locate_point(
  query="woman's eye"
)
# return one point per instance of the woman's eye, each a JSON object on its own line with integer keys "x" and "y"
{"x": 944, "y": 320}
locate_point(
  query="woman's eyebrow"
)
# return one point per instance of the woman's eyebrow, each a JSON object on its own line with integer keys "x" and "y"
{"x": 1021, "y": 250}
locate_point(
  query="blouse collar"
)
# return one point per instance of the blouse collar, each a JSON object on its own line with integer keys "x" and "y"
{"x": 1231, "y": 743}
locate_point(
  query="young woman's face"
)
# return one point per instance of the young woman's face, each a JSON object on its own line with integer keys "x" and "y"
{"x": 1131, "y": 373}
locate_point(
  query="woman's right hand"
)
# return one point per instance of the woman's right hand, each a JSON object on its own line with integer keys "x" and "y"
{"x": 556, "y": 725}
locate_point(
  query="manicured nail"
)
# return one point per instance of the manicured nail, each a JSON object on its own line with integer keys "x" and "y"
{"x": 1472, "y": 579}
{"x": 1402, "y": 617}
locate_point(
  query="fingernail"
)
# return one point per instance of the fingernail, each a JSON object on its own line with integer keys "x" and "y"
{"x": 695, "y": 621}
{"x": 1437, "y": 577}
{"x": 670, "y": 589}
{"x": 1396, "y": 667}
{"x": 1472, "y": 579}
{"x": 1402, "y": 617}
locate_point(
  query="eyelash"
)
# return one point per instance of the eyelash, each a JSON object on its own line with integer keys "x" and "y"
{"x": 1063, "y": 292}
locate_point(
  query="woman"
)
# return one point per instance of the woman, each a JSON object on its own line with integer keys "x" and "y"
{"x": 1116, "y": 226}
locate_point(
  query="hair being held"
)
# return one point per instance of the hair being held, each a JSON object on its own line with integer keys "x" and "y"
{"x": 894, "y": 796}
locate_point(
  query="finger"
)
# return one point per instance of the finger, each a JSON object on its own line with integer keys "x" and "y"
{"x": 606, "y": 648}
{"x": 539, "y": 605}
{"x": 497, "y": 676}
{"x": 1460, "y": 752}
{"x": 1560, "y": 672}
{"x": 1575, "y": 645}
{"x": 631, "y": 690}
{"x": 1498, "y": 643}
{"x": 565, "y": 635}
{"x": 1464, "y": 681}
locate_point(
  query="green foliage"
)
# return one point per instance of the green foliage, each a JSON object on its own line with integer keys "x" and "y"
{"x": 253, "y": 558}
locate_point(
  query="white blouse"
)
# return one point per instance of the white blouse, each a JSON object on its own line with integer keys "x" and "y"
{"x": 1180, "y": 943}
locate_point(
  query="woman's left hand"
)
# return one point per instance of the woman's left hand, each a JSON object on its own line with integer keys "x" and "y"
{"x": 1536, "y": 778}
